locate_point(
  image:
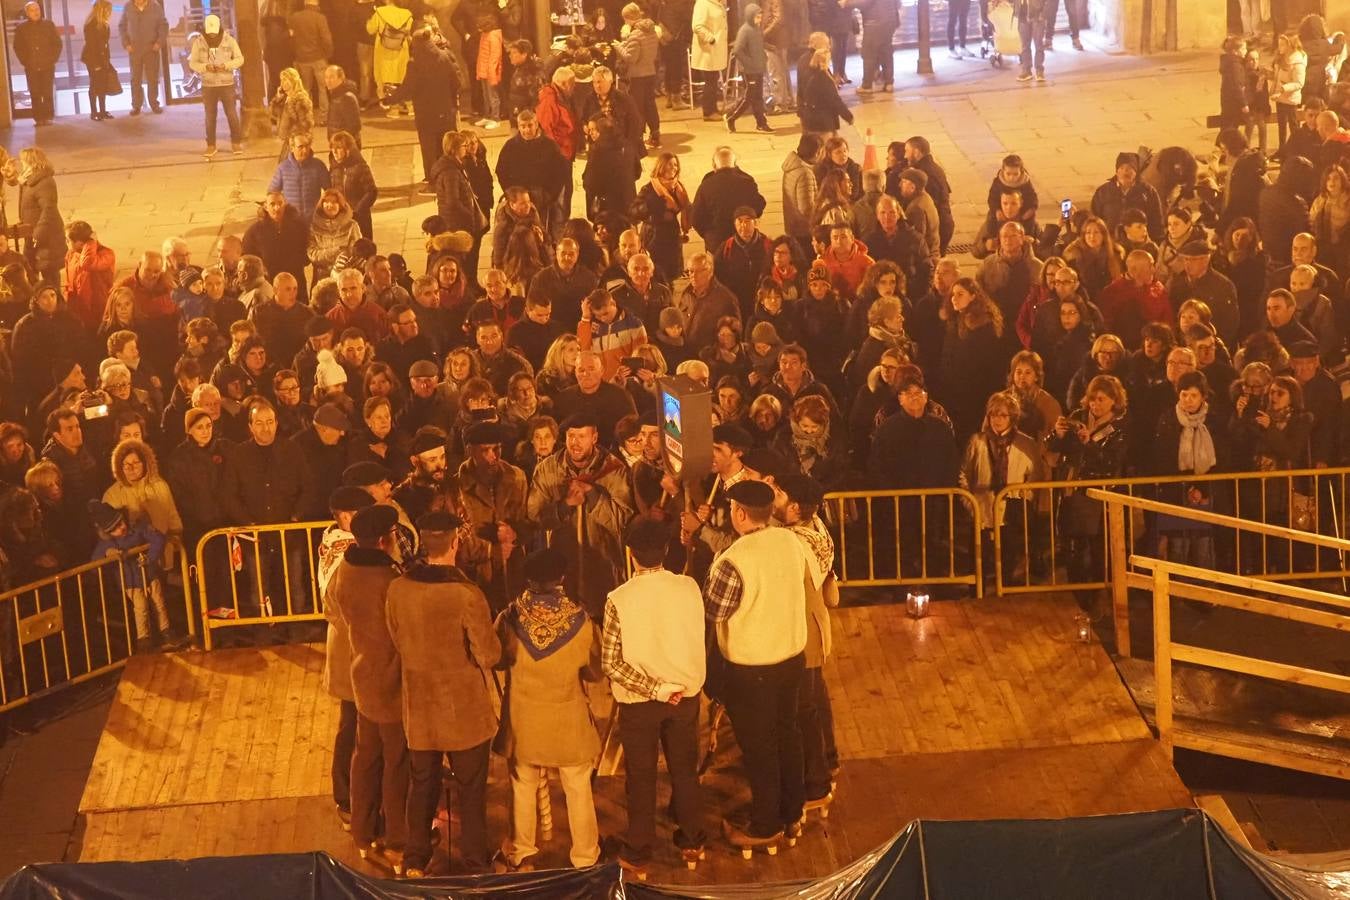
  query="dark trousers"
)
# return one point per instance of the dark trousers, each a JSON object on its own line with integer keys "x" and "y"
{"x": 273, "y": 570}
{"x": 225, "y": 97}
{"x": 642, "y": 727}
{"x": 643, "y": 91}
{"x": 815, "y": 719}
{"x": 42, "y": 91}
{"x": 98, "y": 101}
{"x": 144, "y": 78}
{"x": 958, "y": 11}
{"x": 753, "y": 100}
{"x": 379, "y": 781}
{"x": 430, "y": 130}
{"x": 469, "y": 768}
{"x": 878, "y": 56}
{"x": 1071, "y": 11}
{"x": 344, "y": 744}
{"x": 762, "y": 704}
{"x": 675, "y": 61}
{"x": 839, "y": 52}
{"x": 712, "y": 89}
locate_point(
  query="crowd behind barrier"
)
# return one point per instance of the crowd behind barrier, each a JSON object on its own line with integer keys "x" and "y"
{"x": 471, "y": 458}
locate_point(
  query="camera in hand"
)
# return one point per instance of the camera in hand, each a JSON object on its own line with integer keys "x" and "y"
{"x": 94, "y": 405}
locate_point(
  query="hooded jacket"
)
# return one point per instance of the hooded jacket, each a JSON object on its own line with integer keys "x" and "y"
{"x": 150, "y": 499}
{"x": 749, "y": 49}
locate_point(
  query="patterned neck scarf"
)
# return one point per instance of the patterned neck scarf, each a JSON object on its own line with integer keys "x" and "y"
{"x": 545, "y": 621}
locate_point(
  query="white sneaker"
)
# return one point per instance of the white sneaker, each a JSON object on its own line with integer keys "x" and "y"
{"x": 490, "y": 124}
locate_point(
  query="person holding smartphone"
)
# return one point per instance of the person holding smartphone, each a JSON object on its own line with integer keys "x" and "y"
{"x": 613, "y": 332}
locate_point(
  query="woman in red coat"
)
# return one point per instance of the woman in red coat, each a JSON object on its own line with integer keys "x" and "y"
{"x": 90, "y": 268}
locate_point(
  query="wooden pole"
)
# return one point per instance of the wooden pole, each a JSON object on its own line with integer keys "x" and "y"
{"x": 1162, "y": 658}
{"x": 1120, "y": 591}
{"x": 689, "y": 550}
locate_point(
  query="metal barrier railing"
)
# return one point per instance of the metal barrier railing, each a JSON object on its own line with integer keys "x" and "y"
{"x": 67, "y": 628}
{"x": 1068, "y": 535}
{"x": 928, "y": 536}
{"x": 258, "y": 574}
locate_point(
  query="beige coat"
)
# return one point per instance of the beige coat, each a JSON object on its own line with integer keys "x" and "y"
{"x": 357, "y": 589}
{"x": 549, "y": 720}
{"x": 440, "y": 623}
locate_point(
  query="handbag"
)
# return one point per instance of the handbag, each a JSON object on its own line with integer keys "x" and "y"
{"x": 110, "y": 84}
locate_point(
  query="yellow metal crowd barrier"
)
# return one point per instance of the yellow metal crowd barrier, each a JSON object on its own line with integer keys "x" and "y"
{"x": 1168, "y": 579}
{"x": 925, "y": 536}
{"x": 66, "y": 629}
{"x": 258, "y": 574}
{"x": 1068, "y": 535}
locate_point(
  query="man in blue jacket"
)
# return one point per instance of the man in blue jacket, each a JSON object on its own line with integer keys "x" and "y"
{"x": 144, "y": 31}
{"x": 301, "y": 177}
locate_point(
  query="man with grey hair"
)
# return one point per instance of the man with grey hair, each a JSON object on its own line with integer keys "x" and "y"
{"x": 1009, "y": 274}
{"x": 722, "y": 190}
{"x": 704, "y": 301}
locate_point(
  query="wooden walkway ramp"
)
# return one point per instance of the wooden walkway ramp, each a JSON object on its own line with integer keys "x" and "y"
{"x": 989, "y": 709}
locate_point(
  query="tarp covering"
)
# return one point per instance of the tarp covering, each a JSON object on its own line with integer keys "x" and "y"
{"x": 1181, "y": 854}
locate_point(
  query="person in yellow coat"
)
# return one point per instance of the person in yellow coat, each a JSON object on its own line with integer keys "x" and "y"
{"x": 392, "y": 26}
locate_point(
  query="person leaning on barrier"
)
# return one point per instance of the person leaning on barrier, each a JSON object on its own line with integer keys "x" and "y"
{"x": 442, "y": 630}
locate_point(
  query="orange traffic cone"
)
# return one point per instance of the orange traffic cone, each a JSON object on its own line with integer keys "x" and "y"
{"x": 869, "y": 160}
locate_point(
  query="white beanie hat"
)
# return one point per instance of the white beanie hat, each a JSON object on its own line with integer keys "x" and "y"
{"x": 329, "y": 373}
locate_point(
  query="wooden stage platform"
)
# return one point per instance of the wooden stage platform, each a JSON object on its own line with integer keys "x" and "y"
{"x": 989, "y": 709}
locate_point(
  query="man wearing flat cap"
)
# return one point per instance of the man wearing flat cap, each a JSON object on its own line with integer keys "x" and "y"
{"x": 442, "y": 629}
{"x": 581, "y": 494}
{"x": 755, "y": 600}
{"x": 488, "y": 493}
{"x": 355, "y": 602}
{"x": 323, "y": 446}
{"x": 1198, "y": 281}
{"x": 375, "y": 480}
{"x": 425, "y": 404}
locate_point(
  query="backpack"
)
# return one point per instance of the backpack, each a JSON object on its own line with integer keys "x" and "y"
{"x": 392, "y": 38}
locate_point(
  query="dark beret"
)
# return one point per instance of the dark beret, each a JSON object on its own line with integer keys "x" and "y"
{"x": 364, "y": 474}
{"x": 751, "y": 493}
{"x": 373, "y": 522}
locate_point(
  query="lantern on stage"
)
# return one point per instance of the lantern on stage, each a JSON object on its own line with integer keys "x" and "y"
{"x": 1084, "y": 626}
{"x": 916, "y": 605}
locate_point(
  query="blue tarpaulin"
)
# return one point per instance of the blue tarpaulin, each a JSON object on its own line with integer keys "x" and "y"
{"x": 1177, "y": 854}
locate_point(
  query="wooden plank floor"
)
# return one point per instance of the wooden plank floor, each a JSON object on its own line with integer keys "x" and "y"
{"x": 982, "y": 710}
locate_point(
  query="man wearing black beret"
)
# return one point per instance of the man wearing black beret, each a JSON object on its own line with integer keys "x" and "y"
{"x": 755, "y": 599}
{"x": 354, "y": 603}
{"x": 427, "y": 486}
{"x": 337, "y": 681}
{"x": 488, "y": 493}
{"x": 376, "y": 480}
{"x": 442, "y": 629}
{"x": 581, "y": 494}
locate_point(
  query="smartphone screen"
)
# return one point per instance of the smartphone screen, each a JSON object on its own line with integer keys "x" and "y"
{"x": 1065, "y": 207}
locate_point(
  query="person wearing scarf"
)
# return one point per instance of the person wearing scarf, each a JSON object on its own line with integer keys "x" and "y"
{"x": 1185, "y": 445}
{"x": 549, "y": 650}
{"x": 666, "y": 203}
{"x": 999, "y": 455}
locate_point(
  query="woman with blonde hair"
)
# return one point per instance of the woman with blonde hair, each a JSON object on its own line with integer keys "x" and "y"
{"x": 665, "y": 200}
{"x": 97, "y": 59}
{"x": 560, "y": 365}
{"x": 39, "y": 211}
{"x": 1288, "y": 72}
{"x": 332, "y": 232}
{"x": 292, "y": 109}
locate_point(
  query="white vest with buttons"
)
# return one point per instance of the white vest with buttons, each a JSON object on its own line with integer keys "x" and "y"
{"x": 769, "y": 626}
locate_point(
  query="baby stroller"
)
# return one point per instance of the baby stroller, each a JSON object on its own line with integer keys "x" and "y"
{"x": 998, "y": 32}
